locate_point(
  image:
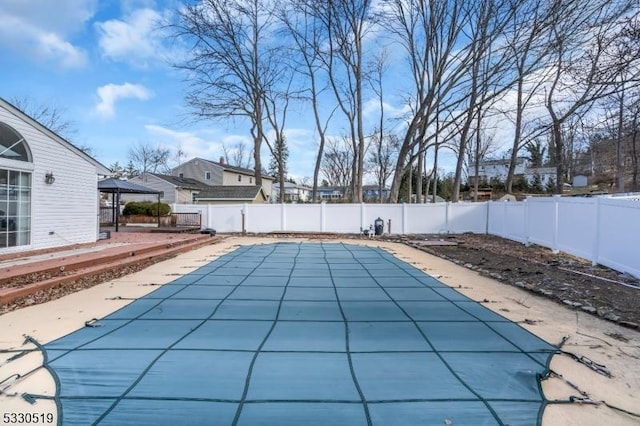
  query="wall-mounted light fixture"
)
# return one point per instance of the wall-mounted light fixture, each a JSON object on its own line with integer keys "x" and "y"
{"x": 49, "y": 179}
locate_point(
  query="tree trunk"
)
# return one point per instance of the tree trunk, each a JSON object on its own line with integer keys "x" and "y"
{"x": 435, "y": 172}
{"x": 420, "y": 172}
{"x": 619, "y": 156}
{"x": 517, "y": 135}
{"x": 558, "y": 148}
{"x": 634, "y": 156}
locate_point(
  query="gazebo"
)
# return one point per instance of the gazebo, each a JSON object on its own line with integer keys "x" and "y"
{"x": 115, "y": 187}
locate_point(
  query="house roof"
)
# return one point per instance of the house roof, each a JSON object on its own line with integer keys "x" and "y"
{"x": 230, "y": 192}
{"x": 100, "y": 168}
{"x": 331, "y": 188}
{"x": 181, "y": 182}
{"x": 236, "y": 169}
{"x": 374, "y": 188}
{"x": 123, "y": 187}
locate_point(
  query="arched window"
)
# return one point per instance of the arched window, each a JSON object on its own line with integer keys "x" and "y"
{"x": 12, "y": 145}
{"x": 15, "y": 190}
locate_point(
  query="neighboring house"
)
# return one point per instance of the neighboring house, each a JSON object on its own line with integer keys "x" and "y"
{"x": 372, "y": 193}
{"x": 231, "y": 195}
{"x": 173, "y": 189}
{"x": 497, "y": 170}
{"x": 547, "y": 175}
{"x": 213, "y": 173}
{"x": 293, "y": 193}
{"x": 48, "y": 187}
{"x": 331, "y": 192}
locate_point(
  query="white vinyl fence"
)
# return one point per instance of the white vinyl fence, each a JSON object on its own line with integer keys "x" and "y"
{"x": 605, "y": 231}
{"x": 447, "y": 218}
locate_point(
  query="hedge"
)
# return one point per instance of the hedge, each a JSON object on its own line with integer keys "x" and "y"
{"x": 146, "y": 208}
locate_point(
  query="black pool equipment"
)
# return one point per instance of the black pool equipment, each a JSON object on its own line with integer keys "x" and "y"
{"x": 209, "y": 231}
{"x": 378, "y": 225}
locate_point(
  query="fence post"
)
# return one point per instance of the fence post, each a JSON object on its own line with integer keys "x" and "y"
{"x": 283, "y": 217}
{"x": 446, "y": 217}
{"x": 556, "y": 224}
{"x": 322, "y": 216}
{"x": 363, "y": 219}
{"x": 596, "y": 243}
{"x": 245, "y": 216}
{"x": 209, "y": 217}
{"x": 404, "y": 218}
{"x": 526, "y": 222}
{"x": 487, "y": 216}
{"x": 504, "y": 219}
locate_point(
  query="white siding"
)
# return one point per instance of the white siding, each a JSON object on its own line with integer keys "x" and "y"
{"x": 154, "y": 183}
{"x": 65, "y": 212}
{"x": 196, "y": 169}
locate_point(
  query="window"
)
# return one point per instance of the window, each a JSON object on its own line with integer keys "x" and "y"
{"x": 239, "y": 178}
{"x": 12, "y": 145}
{"x": 207, "y": 175}
{"x": 15, "y": 191}
{"x": 181, "y": 175}
{"x": 250, "y": 180}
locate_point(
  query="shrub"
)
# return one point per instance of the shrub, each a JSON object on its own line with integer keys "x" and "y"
{"x": 147, "y": 208}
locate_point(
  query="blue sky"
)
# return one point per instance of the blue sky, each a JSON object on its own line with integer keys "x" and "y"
{"x": 105, "y": 63}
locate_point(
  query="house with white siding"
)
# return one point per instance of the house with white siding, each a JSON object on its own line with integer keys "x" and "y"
{"x": 293, "y": 193}
{"x": 48, "y": 187}
{"x": 490, "y": 170}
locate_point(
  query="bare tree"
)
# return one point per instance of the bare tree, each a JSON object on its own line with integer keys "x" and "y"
{"x": 428, "y": 32}
{"x": 444, "y": 42}
{"x": 51, "y": 116}
{"x": 624, "y": 51}
{"x": 337, "y": 162}
{"x": 482, "y": 144}
{"x": 527, "y": 42}
{"x": 308, "y": 38}
{"x": 490, "y": 73}
{"x": 346, "y": 24}
{"x": 381, "y": 158}
{"x": 145, "y": 157}
{"x": 233, "y": 61}
{"x": 582, "y": 72}
{"x": 236, "y": 155}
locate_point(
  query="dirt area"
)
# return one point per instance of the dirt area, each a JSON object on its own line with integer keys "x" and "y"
{"x": 570, "y": 281}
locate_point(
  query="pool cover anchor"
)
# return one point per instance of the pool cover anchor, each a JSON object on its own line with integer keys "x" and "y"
{"x": 8, "y": 383}
{"x": 582, "y": 359}
{"x": 93, "y": 323}
{"x": 588, "y": 362}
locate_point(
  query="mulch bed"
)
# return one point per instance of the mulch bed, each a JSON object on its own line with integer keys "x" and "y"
{"x": 568, "y": 280}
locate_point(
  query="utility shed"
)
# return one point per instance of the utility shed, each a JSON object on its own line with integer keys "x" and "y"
{"x": 48, "y": 187}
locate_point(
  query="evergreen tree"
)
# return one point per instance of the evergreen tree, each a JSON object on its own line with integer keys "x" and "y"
{"x": 281, "y": 152}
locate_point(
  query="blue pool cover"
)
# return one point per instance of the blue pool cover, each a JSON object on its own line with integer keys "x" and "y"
{"x": 301, "y": 334}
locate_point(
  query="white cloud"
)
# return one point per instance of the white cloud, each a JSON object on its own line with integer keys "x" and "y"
{"x": 52, "y": 46}
{"x": 190, "y": 143}
{"x": 112, "y": 93}
{"x": 30, "y": 29}
{"x": 135, "y": 39}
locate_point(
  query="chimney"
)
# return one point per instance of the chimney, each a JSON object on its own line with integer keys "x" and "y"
{"x": 221, "y": 160}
